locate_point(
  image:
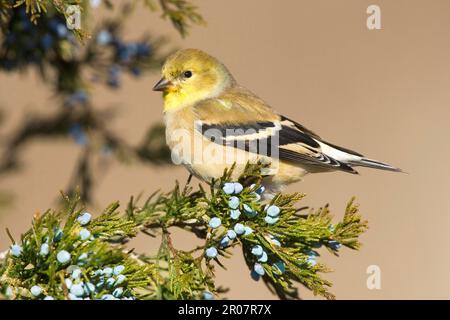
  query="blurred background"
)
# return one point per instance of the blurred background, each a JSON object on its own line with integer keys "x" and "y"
{"x": 384, "y": 93}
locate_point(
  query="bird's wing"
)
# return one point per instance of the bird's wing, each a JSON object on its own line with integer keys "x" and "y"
{"x": 242, "y": 120}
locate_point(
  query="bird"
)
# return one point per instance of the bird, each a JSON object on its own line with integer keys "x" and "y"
{"x": 212, "y": 123}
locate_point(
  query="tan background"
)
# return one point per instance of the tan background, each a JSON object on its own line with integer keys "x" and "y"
{"x": 384, "y": 93}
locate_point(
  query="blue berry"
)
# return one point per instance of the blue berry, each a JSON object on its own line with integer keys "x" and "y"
{"x": 46, "y": 41}
{"x": 108, "y": 297}
{"x": 316, "y": 245}
{"x": 104, "y": 37}
{"x": 125, "y": 52}
{"x": 89, "y": 288}
{"x": 260, "y": 190}
{"x": 16, "y": 250}
{"x": 334, "y": 244}
{"x": 84, "y": 234}
{"x": 98, "y": 273}
{"x": 76, "y": 274}
{"x": 118, "y": 269}
{"x": 247, "y": 231}
{"x": 273, "y": 211}
{"x": 79, "y": 96}
{"x": 84, "y": 218}
{"x": 257, "y": 196}
{"x": 58, "y": 235}
{"x": 263, "y": 257}
{"x": 313, "y": 254}
{"x": 82, "y": 256}
{"x": 257, "y": 250}
{"x": 275, "y": 241}
{"x": 143, "y": 49}
{"x": 72, "y": 268}
{"x": 68, "y": 283}
{"x": 225, "y": 241}
{"x": 271, "y": 220}
{"x": 249, "y": 212}
{"x": 120, "y": 278}
{"x": 114, "y": 79}
{"x": 73, "y": 297}
{"x": 215, "y": 222}
{"x": 36, "y": 291}
{"x": 234, "y": 214}
{"x": 239, "y": 228}
{"x": 49, "y": 298}
{"x": 233, "y": 203}
{"x": 8, "y": 292}
{"x": 117, "y": 292}
{"x": 136, "y": 71}
{"x": 231, "y": 234}
{"x": 43, "y": 251}
{"x": 312, "y": 261}
{"x": 110, "y": 282}
{"x": 63, "y": 256}
{"x": 228, "y": 188}
{"x": 280, "y": 266}
{"x": 259, "y": 269}
{"x": 77, "y": 290}
{"x": 108, "y": 271}
{"x": 208, "y": 295}
{"x": 254, "y": 275}
{"x": 114, "y": 70}
{"x": 237, "y": 187}
{"x": 211, "y": 252}
{"x": 78, "y": 134}
{"x": 61, "y": 30}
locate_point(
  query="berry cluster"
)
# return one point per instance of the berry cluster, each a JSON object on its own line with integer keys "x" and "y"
{"x": 26, "y": 44}
{"x": 244, "y": 206}
{"x": 262, "y": 257}
{"x": 232, "y": 189}
{"x": 49, "y": 44}
{"x": 126, "y": 55}
{"x": 244, "y": 212}
{"x": 83, "y": 277}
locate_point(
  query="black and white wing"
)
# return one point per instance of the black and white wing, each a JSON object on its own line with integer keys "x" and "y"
{"x": 285, "y": 139}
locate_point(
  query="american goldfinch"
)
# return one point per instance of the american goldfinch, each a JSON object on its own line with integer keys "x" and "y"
{"x": 212, "y": 122}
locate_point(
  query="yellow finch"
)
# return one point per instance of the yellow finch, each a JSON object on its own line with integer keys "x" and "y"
{"x": 213, "y": 122}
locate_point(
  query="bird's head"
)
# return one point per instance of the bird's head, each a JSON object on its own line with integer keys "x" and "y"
{"x": 189, "y": 76}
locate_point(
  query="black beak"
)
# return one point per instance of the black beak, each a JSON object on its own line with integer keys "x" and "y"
{"x": 162, "y": 85}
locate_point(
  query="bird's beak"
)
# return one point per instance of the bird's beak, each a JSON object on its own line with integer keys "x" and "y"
{"x": 162, "y": 85}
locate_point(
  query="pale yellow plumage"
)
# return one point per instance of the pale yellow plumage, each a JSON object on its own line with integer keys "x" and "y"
{"x": 201, "y": 96}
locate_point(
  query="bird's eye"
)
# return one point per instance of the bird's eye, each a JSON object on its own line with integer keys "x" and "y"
{"x": 187, "y": 74}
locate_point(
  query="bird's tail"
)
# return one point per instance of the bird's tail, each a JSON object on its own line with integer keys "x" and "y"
{"x": 369, "y": 163}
